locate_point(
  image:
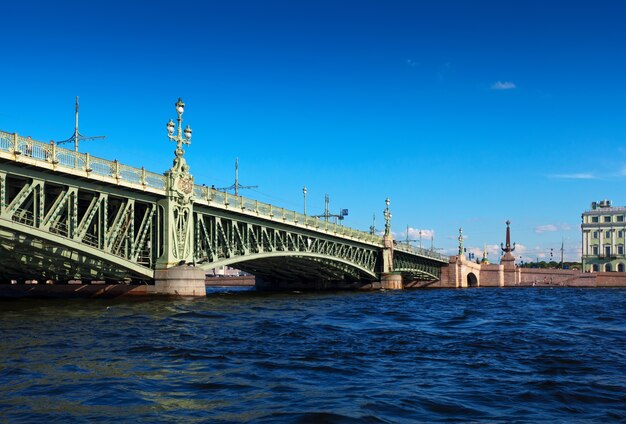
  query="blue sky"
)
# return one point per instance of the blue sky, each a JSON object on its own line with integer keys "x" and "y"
{"x": 464, "y": 113}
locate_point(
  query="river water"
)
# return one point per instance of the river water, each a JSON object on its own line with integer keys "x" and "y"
{"x": 496, "y": 355}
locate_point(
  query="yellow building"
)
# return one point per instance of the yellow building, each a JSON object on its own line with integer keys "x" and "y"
{"x": 603, "y": 230}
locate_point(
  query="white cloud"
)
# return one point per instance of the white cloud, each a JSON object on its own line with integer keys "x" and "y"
{"x": 545, "y": 228}
{"x": 548, "y": 228}
{"x": 575, "y": 176}
{"x": 415, "y": 234}
{"x": 494, "y": 252}
{"x": 411, "y": 63}
{"x": 450, "y": 251}
{"x": 503, "y": 85}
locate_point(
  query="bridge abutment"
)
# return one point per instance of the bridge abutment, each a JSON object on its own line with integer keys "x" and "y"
{"x": 180, "y": 281}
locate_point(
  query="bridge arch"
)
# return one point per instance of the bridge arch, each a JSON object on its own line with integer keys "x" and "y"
{"x": 25, "y": 250}
{"x": 472, "y": 280}
{"x": 296, "y": 267}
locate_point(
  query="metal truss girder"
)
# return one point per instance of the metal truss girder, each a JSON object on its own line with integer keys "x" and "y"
{"x": 37, "y": 249}
{"x": 124, "y": 225}
{"x": 142, "y": 234}
{"x": 49, "y": 211}
{"x": 224, "y": 239}
{"x": 3, "y": 191}
{"x": 416, "y": 265}
{"x": 92, "y": 209}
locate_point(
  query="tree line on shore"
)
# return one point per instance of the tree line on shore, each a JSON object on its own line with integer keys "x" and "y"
{"x": 551, "y": 264}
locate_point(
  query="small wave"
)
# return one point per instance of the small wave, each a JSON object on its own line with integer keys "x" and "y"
{"x": 317, "y": 418}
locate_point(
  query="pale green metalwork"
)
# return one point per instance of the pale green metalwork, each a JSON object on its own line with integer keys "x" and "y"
{"x": 178, "y": 237}
{"x": 415, "y": 267}
{"x": 228, "y": 238}
{"x": 387, "y": 215}
{"x": 138, "y": 178}
{"x": 3, "y": 191}
{"x": 54, "y": 228}
{"x": 83, "y": 216}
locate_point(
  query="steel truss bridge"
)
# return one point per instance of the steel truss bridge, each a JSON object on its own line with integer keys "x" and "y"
{"x": 67, "y": 215}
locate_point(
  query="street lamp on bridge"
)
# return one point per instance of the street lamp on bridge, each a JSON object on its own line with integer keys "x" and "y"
{"x": 387, "y": 215}
{"x": 178, "y": 137}
{"x": 304, "y": 194}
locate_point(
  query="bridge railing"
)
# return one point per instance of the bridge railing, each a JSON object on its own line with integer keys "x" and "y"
{"x": 76, "y": 161}
{"x": 60, "y": 157}
{"x": 273, "y": 212}
{"x": 427, "y": 253}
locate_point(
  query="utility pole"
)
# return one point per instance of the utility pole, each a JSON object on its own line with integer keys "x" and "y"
{"x": 326, "y": 215}
{"x": 326, "y": 206}
{"x": 236, "y": 186}
{"x": 407, "y": 241}
{"x": 77, "y": 136}
{"x": 561, "y": 253}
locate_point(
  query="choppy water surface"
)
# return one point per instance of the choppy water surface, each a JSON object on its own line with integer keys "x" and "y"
{"x": 431, "y": 355}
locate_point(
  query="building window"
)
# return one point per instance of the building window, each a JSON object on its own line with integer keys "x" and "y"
{"x": 594, "y": 219}
{"x": 607, "y": 268}
{"x": 620, "y": 267}
{"x": 620, "y": 249}
{"x": 596, "y": 234}
{"x": 620, "y": 233}
{"x": 607, "y": 219}
{"x": 607, "y": 234}
{"x": 595, "y": 267}
{"x": 595, "y": 250}
{"x": 619, "y": 218}
{"x": 607, "y": 250}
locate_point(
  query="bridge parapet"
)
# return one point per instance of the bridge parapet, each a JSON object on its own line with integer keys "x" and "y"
{"x": 426, "y": 253}
{"x": 210, "y": 197}
{"x": 50, "y": 156}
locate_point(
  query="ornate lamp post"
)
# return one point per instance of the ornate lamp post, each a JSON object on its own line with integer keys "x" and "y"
{"x": 460, "y": 241}
{"x": 304, "y": 194}
{"x": 171, "y": 276}
{"x": 178, "y": 206}
{"x": 178, "y": 137}
{"x": 387, "y": 215}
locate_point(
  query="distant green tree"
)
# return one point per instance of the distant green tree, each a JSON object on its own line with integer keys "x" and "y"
{"x": 552, "y": 264}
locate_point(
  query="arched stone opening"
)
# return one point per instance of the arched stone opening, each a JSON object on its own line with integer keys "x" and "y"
{"x": 608, "y": 268}
{"x": 620, "y": 267}
{"x": 472, "y": 280}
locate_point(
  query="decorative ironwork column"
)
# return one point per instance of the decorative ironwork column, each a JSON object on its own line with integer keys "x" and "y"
{"x": 3, "y": 191}
{"x": 460, "y": 241}
{"x": 387, "y": 215}
{"x": 387, "y": 240}
{"x": 178, "y": 205}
